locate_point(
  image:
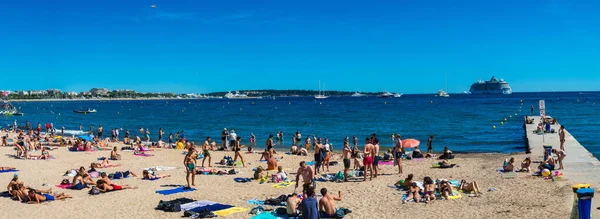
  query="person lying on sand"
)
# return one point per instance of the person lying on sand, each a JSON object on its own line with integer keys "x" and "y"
{"x": 7, "y": 168}
{"x": 429, "y": 187}
{"x": 146, "y": 175}
{"x": 469, "y": 187}
{"x": 79, "y": 183}
{"x": 407, "y": 182}
{"x": 445, "y": 188}
{"x": 37, "y": 198}
{"x": 327, "y": 207}
{"x": 105, "y": 187}
{"x": 104, "y": 164}
{"x": 413, "y": 193}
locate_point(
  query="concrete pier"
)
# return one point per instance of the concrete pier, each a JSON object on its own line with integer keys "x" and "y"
{"x": 580, "y": 165}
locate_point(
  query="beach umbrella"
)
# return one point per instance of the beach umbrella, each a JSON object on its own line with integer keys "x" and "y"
{"x": 85, "y": 137}
{"x": 410, "y": 143}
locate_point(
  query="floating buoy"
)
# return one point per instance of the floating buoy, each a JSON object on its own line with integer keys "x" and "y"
{"x": 431, "y": 101}
{"x": 240, "y": 109}
{"x": 189, "y": 102}
{"x": 320, "y": 103}
{"x": 289, "y": 102}
{"x": 118, "y": 113}
{"x": 84, "y": 113}
{"x": 384, "y": 102}
{"x": 515, "y": 114}
{"x": 504, "y": 119}
{"x": 521, "y": 101}
{"x": 519, "y": 110}
{"x": 252, "y": 103}
{"x": 494, "y": 127}
{"x": 59, "y": 114}
{"x": 501, "y": 123}
{"x": 510, "y": 116}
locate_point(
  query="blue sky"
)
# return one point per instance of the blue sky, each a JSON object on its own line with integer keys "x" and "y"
{"x": 204, "y": 46}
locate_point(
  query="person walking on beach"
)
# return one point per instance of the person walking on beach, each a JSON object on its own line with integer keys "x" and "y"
{"x": 236, "y": 148}
{"x": 224, "y": 135}
{"x": 232, "y": 139}
{"x": 205, "y": 152}
{"x": 190, "y": 165}
{"x": 368, "y": 159}
{"x": 561, "y": 135}
{"x": 429, "y": 147}
{"x": 346, "y": 154}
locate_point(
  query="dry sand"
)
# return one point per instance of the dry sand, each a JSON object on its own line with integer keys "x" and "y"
{"x": 522, "y": 197}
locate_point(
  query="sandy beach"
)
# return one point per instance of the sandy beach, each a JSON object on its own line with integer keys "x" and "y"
{"x": 524, "y": 196}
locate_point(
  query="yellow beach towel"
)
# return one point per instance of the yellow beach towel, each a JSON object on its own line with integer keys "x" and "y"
{"x": 283, "y": 185}
{"x": 229, "y": 211}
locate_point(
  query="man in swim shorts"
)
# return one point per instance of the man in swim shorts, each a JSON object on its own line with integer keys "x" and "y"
{"x": 375, "y": 155}
{"x": 368, "y": 159}
{"x": 205, "y": 152}
{"x": 190, "y": 164}
{"x": 307, "y": 174}
{"x": 346, "y": 153}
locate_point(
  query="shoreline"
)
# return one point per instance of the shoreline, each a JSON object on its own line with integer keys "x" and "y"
{"x": 101, "y": 99}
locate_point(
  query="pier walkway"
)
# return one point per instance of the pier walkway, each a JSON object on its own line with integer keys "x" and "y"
{"x": 580, "y": 165}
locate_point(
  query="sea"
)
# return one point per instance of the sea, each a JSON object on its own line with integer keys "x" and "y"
{"x": 463, "y": 122}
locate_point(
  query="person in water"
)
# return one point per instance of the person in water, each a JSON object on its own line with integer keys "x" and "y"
{"x": 190, "y": 164}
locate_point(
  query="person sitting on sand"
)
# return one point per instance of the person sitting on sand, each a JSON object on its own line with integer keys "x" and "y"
{"x": 509, "y": 166}
{"x": 294, "y": 149}
{"x": 525, "y": 165}
{"x": 560, "y": 156}
{"x": 469, "y": 187}
{"x": 272, "y": 163}
{"x": 105, "y": 187}
{"x": 281, "y": 174}
{"x": 309, "y": 205}
{"x": 388, "y": 156}
{"x": 78, "y": 182}
{"x": 205, "y": 152}
{"x": 445, "y": 188}
{"x": 19, "y": 192}
{"x": 146, "y": 175}
{"x": 11, "y": 185}
{"x": 258, "y": 173}
{"x": 413, "y": 193}
{"x": 408, "y": 181}
{"x": 429, "y": 187}
{"x": 548, "y": 163}
{"x": 291, "y": 205}
{"x": 417, "y": 153}
{"x": 104, "y": 164}
{"x": 447, "y": 154}
{"x": 39, "y": 198}
{"x": 327, "y": 207}
{"x": 114, "y": 155}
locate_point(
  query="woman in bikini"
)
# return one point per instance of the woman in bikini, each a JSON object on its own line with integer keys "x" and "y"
{"x": 413, "y": 193}
{"x": 190, "y": 164}
{"x": 269, "y": 144}
{"x": 146, "y": 175}
{"x": 561, "y": 155}
{"x": 398, "y": 153}
{"x": 509, "y": 166}
{"x": 104, "y": 164}
{"x": 469, "y": 187}
{"x": 525, "y": 165}
{"x": 236, "y": 149}
{"x": 445, "y": 189}
{"x": 429, "y": 187}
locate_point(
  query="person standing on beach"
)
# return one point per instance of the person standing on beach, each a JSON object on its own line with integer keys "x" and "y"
{"x": 308, "y": 176}
{"x": 318, "y": 158}
{"x": 346, "y": 154}
{"x": 205, "y": 152}
{"x": 429, "y": 147}
{"x": 307, "y": 143}
{"x": 376, "y": 157}
{"x": 100, "y": 131}
{"x": 237, "y": 149}
{"x": 190, "y": 165}
{"x": 232, "y": 139}
{"x": 224, "y": 135}
{"x": 177, "y": 136}
{"x": 368, "y": 159}
{"x": 117, "y": 134}
{"x": 398, "y": 153}
{"x": 269, "y": 144}
{"x": 561, "y": 135}
{"x": 309, "y": 206}
{"x": 326, "y": 154}
{"x": 160, "y": 134}
{"x": 112, "y": 134}
{"x": 127, "y": 133}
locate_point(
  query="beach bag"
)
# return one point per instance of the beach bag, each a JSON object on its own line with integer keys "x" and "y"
{"x": 94, "y": 191}
{"x": 339, "y": 177}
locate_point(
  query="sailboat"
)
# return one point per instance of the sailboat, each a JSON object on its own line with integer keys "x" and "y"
{"x": 441, "y": 92}
{"x": 320, "y": 95}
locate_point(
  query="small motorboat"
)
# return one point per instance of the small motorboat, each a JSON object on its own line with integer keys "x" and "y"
{"x": 85, "y": 111}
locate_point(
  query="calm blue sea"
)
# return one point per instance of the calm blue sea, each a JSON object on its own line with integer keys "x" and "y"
{"x": 463, "y": 122}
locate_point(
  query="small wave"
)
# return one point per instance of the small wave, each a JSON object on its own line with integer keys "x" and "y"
{"x": 73, "y": 132}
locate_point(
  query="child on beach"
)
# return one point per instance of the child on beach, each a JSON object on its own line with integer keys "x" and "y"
{"x": 281, "y": 174}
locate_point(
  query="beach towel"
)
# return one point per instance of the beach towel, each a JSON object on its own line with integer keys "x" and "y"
{"x": 283, "y": 185}
{"x": 242, "y": 180}
{"x": 144, "y": 155}
{"x": 8, "y": 171}
{"x": 160, "y": 168}
{"x": 175, "y": 191}
{"x": 213, "y": 207}
{"x": 152, "y": 179}
{"x": 266, "y": 215}
{"x": 455, "y": 195}
{"x": 196, "y": 204}
{"x": 437, "y": 165}
{"x": 386, "y": 162}
{"x": 229, "y": 211}
{"x": 310, "y": 163}
{"x": 64, "y": 186}
{"x": 255, "y": 202}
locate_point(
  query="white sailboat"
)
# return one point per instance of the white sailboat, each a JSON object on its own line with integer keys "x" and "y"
{"x": 441, "y": 92}
{"x": 320, "y": 95}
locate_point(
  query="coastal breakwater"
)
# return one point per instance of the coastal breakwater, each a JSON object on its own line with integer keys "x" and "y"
{"x": 580, "y": 165}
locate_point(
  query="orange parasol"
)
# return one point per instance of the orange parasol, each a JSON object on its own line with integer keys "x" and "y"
{"x": 410, "y": 143}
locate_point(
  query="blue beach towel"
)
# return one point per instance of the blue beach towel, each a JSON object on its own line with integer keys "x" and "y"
{"x": 152, "y": 179}
{"x": 213, "y": 207}
{"x": 255, "y": 202}
{"x": 8, "y": 171}
{"x": 196, "y": 204}
{"x": 242, "y": 180}
{"x": 175, "y": 191}
{"x": 310, "y": 163}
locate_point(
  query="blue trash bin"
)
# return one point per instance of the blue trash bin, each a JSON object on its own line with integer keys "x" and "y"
{"x": 584, "y": 202}
{"x": 549, "y": 149}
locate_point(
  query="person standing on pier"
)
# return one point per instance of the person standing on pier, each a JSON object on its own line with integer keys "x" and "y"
{"x": 561, "y": 134}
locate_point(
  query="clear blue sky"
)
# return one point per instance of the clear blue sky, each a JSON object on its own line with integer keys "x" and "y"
{"x": 208, "y": 45}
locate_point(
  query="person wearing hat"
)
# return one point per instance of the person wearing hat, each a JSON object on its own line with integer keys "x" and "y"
{"x": 224, "y": 135}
